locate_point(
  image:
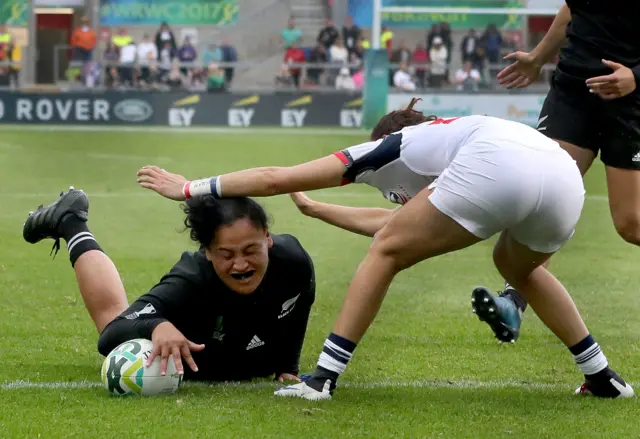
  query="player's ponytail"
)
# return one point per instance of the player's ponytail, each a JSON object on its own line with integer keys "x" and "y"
{"x": 206, "y": 214}
{"x": 398, "y": 119}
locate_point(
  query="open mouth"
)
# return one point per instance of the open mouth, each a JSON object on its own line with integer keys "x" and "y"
{"x": 243, "y": 276}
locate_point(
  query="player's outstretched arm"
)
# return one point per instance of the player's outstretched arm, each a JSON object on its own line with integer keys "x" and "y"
{"x": 361, "y": 220}
{"x": 257, "y": 182}
{"x": 526, "y": 67}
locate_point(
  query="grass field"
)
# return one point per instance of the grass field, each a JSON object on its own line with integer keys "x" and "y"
{"x": 427, "y": 368}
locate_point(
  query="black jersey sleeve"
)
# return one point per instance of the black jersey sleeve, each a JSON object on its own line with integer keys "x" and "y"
{"x": 167, "y": 299}
{"x": 369, "y": 156}
{"x": 293, "y": 331}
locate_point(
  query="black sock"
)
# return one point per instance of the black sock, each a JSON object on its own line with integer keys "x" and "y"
{"x": 510, "y": 293}
{"x": 336, "y": 353}
{"x": 76, "y": 233}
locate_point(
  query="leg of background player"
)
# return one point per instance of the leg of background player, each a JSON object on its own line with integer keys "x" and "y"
{"x": 584, "y": 159}
{"x": 100, "y": 287}
{"x": 624, "y": 202}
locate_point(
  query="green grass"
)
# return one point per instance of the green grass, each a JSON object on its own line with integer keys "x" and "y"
{"x": 427, "y": 368}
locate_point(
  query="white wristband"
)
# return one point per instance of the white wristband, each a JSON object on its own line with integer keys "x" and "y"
{"x": 206, "y": 186}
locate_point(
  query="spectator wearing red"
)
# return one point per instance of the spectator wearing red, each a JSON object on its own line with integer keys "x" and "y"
{"x": 294, "y": 55}
{"x": 420, "y": 57}
{"x": 83, "y": 41}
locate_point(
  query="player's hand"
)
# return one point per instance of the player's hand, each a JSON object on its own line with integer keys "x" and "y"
{"x": 616, "y": 85}
{"x": 165, "y": 183}
{"x": 168, "y": 341}
{"x": 303, "y": 202}
{"x": 522, "y": 72}
{"x": 287, "y": 377}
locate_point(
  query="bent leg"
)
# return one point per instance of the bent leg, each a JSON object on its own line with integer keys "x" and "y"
{"x": 523, "y": 269}
{"x": 101, "y": 287}
{"x": 416, "y": 232}
{"x": 624, "y": 202}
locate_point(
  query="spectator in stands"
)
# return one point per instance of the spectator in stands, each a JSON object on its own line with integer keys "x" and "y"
{"x": 187, "y": 54}
{"x": 356, "y": 56}
{"x": 291, "y": 34}
{"x": 338, "y": 54}
{"x": 15, "y": 56}
{"x": 294, "y": 55}
{"x": 402, "y": 54}
{"x": 447, "y": 40}
{"x": 479, "y": 59}
{"x": 83, "y": 41}
{"x": 351, "y": 34}
{"x": 358, "y": 78}
{"x": 318, "y": 56}
{"x": 91, "y": 74}
{"x": 164, "y": 36}
{"x": 167, "y": 55}
{"x": 402, "y": 78}
{"x": 122, "y": 38}
{"x": 435, "y": 32}
{"x": 175, "y": 80}
{"x": 386, "y": 39}
{"x": 468, "y": 47}
{"x": 4, "y": 70}
{"x": 492, "y": 42}
{"x": 230, "y": 55}
{"x": 420, "y": 58}
{"x": 344, "y": 81}
{"x": 328, "y": 34}
{"x": 467, "y": 78}
{"x": 147, "y": 53}
{"x": 211, "y": 54}
{"x": 127, "y": 63}
{"x": 149, "y": 75}
{"x": 215, "y": 78}
{"x": 284, "y": 78}
{"x": 110, "y": 58}
{"x": 438, "y": 59}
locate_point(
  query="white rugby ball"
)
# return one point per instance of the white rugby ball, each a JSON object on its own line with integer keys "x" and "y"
{"x": 124, "y": 372}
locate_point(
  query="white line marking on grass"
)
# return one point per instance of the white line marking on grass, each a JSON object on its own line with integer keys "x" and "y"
{"x": 320, "y": 193}
{"x": 418, "y": 384}
{"x": 191, "y": 130}
{"x": 136, "y": 158}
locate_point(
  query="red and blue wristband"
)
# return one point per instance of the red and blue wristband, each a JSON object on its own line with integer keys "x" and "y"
{"x": 205, "y": 186}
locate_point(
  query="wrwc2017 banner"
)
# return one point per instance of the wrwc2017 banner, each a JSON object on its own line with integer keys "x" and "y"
{"x": 174, "y": 12}
{"x": 14, "y": 12}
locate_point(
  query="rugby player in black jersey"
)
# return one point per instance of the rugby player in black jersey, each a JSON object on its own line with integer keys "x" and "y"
{"x": 235, "y": 309}
{"x": 593, "y": 107}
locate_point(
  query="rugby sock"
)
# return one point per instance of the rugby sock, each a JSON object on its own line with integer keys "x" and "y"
{"x": 589, "y": 356}
{"x": 510, "y": 293}
{"x": 76, "y": 233}
{"x": 336, "y": 353}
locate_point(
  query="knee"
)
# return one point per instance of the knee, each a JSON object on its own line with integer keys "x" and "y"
{"x": 628, "y": 227}
{"x": 385, "y": 246}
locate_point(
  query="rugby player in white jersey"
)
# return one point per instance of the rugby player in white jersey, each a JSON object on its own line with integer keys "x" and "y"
{"x": 460, "y": 181}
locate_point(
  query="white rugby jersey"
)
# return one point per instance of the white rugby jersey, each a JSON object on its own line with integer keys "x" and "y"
{"x": 404, "y": 163}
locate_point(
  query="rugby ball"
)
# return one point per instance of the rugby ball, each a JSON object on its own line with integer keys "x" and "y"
{"x": 124, "y": 372}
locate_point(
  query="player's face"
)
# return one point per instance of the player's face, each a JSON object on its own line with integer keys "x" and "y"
{"x": 240, "y": 255}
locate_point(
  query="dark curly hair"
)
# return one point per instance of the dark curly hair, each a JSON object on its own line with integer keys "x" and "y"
{"x": 396, "y": 120}
{"x": 206, "y": 214}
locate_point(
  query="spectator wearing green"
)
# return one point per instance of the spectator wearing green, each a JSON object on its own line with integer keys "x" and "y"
{"x": 122, "y": 38}
{"x": 291, "y": 34}
{"x": 215, "y": 78}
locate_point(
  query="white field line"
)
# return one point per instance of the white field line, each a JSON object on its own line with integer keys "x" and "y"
{"x": 190, "y": 130}
{"x": 135, "y": 158}
{"x": 418, "y": 384}
{"x": 336, "y": 194}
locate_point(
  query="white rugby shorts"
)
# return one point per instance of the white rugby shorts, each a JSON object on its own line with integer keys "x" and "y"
{"x": 536, "y": 194}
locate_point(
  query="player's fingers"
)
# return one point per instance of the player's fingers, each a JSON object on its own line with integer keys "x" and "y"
{"x": 515, "y": 56}
{"x": 507, "y": 71}
{"x": 186, "y": 354}
{"x": 195, "y": 347}
{"x": 510, "y": 78}
{"x": 524, "y": 83}
{"x": 516, "y": 82}
{"x": 177, "y": 359}
{"x": 154, "y": 353}
{"x": 153, "y": 187}
{"x": 164, "y": 357}
{"x": 608, "y": 79}
{"x": 609, "y": 96}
